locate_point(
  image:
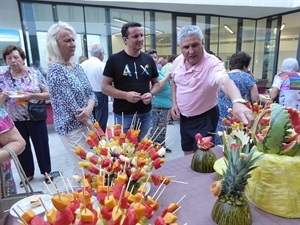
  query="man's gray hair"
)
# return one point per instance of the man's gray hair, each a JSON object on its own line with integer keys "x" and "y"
{"x": 290, "y": 65}
{"x": 96, "y": 50}
{"x": 188, "y": 31}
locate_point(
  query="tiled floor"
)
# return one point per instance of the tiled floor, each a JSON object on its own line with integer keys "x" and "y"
{"x": 61, "y": 162}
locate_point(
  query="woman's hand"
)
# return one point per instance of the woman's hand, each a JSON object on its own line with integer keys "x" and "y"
{"x": 83, "y": 114}
{"x": 3, "y": 96}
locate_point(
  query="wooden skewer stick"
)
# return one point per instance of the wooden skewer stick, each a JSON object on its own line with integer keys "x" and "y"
{"x": 160, "y": 193}
{"x": 48, "y": 188}
{"x": 60, "y": 174}
{"x": 131, "y": 189}
{"x": 83, "y": 190}
{"x": 170, "y": 156}
{"x": 122, "y": 122}
{"x": 72, "y": 145}
{"x": 40, "y": 199}
{"x": 164, "y": 141}
{"x": 180, "y": 182}
{"x": 133, "y": 120}
{"x": 176, "y": 210}
{"x": 121, "y": 196}
{"x": 180, "y": 199}
{"x": 170, "y": 144}
{"x": 148, "y": 132}
{"x": 158, "y": 134}
{"x": 21, "y": 209}
{"x": 49, "y": 178}
{"x": 138, "y": 124}
{"x": 154, "y": 133}
{"x": 129, "y": 180}
{"x": 20, "y": 217}
{"x": 70, "y": 185}
{"x": 159, "y": 187}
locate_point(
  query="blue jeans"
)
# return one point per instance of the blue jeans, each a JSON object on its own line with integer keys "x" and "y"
{"x": 100, "y": 112}
{"x": 143, "y": 118}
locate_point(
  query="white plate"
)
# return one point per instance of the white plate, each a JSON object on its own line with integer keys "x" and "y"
{"x": 24, "y": 204}
{"x": 16, "y": 96}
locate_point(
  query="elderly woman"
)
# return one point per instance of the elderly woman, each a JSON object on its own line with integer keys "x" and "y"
{"x": 239, "y": 63}
{"x": 286, "y": 85}
{"x": 19, "y": 85}
{"x": 71, "y": 94}
{"x": 9, "y": 138}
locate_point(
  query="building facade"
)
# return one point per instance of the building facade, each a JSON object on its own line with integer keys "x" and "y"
{"x": 269, "y": 40}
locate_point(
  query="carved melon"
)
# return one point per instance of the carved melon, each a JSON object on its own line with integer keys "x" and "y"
{"x": 276, "y": 130}
{"x": 203, "y": 161}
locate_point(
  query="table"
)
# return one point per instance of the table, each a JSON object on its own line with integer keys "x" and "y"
{"x": 196, "y": 207}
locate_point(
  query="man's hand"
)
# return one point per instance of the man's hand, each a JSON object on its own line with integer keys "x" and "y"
{"x": 133, "y": 96}
{"x": 147, "y": 98}
{"x": 243, "y": 113}
{"x": 175, "y": 112}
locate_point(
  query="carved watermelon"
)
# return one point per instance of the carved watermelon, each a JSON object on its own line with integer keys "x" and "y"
{"x": 276, "y": 130}
{"x": 203, "y": 159}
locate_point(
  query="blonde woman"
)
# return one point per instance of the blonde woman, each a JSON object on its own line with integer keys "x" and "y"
{"x": 71, "y": 94}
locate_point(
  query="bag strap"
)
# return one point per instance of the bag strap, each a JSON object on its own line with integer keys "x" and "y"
{"x": 23, "y": 177}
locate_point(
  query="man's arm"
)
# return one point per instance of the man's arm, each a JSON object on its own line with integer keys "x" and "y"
{"x": 155, "y": 86}
{"x": 240, "y": 110}
{"x": 175, "y": 113}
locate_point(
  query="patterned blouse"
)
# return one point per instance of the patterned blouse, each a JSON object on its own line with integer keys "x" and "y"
{"x": 69, "y": 91}
{"x": 244, "y": 83}
{"x": 7, "y": 124}
{"x": 33, "y": 81}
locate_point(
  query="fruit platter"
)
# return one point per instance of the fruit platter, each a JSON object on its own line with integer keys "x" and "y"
{"x": 114, "y": 184}
{"x": 275, "y": 185}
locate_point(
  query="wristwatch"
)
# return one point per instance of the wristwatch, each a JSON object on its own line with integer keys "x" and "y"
{"x": 239, "y": 100}
{"x": 151, "y": 94}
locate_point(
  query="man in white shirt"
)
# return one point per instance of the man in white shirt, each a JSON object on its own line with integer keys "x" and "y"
{"x": 93, "y": 68}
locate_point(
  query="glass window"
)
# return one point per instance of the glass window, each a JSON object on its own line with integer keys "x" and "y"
{"x": 265, "y": 49}
{"x": 248, "y": 37}
{"x": 227, "y": 39}
{"x": 259, "y": 59}
{"x": 96, "y": 28}
{"x": 73, "y": 15}
{"x": 163, "y": 34}
{"x": 181, "y": 22}
{"x": 118, "y": 18}
{"x": 214, "y": 34}
{"x": 43, "y": 16}
{"x": 289, "y": 37}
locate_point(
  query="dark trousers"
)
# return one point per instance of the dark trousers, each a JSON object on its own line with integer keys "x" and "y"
{"x": 38, "y": 133}
{"x": 205, "y": 124}
{"x": 100, "y": 112}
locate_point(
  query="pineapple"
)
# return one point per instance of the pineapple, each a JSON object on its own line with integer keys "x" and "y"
{"x": 232, "y": 208}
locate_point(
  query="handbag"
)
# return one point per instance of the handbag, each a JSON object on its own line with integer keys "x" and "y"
{"x": 37, "y": 111}
{"x": 6, "y": 202}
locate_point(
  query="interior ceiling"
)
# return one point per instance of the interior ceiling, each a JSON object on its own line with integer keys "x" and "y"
{"x": 232, "y": 11}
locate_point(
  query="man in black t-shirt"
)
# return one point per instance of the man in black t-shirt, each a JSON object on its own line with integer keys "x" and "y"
{"x": 130, "y": 77}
